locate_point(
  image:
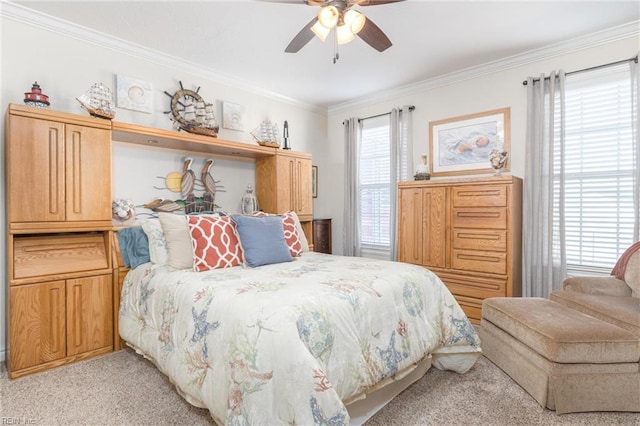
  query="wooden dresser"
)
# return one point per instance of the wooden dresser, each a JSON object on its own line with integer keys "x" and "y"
{"x": 59, "y": 230}
{"x": 466, "y": 230}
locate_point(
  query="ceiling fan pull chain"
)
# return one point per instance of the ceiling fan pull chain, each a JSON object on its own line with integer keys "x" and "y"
{"x": 336, "y": 54}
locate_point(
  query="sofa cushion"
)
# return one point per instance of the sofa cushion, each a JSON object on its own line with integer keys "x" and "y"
{"x": 621, "y": 311}
{"x": 603, "y": 286}
{"x": 559, "y": 334}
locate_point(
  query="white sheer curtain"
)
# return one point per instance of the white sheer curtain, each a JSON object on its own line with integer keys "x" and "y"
{"x": 544, "y": 259}
{"x": 401, "y": 164}
{"x": 635, "y": 94}
{"x": 351, "y": 234}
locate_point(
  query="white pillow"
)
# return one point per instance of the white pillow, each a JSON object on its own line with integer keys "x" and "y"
{"x": 157, "y": 244}
{"x": 301, "y": 236}
{"x": 175, "y": 228}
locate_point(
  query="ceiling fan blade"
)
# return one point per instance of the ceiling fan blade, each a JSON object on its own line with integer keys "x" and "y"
{"x": 374, "y": 37}
{"x": 307, "y": 2}
{"x": 372, "y": 2}
{"x": 302, "y": 38}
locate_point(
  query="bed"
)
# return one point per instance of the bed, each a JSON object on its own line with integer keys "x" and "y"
{"x": 318, "y": 339}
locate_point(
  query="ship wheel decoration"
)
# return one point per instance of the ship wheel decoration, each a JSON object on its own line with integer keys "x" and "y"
{"x": 191, "y": 113}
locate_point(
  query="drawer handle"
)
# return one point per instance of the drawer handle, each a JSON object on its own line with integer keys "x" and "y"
{"x": 483, "y": 215}
{"x": 478, "y": 236}
{"x": 478, "y": 258}
{"x": 50, "y": 247}
{"x": 480, "y": 193}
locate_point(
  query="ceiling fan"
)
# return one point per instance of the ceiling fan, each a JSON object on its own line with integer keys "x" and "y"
{"x": 339, "y": 15}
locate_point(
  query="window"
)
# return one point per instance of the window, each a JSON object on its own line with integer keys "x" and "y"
{"x": 599, "y": 166}
{"x": 375, "y": 186}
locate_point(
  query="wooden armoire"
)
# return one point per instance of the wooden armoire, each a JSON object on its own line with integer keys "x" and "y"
{"x": 466, "y": 230}
{"x": 59, "y": 223}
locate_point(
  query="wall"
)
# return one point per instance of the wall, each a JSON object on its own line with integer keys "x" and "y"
{"x": 467, "y": 92}
{"x": 66, "y": 61}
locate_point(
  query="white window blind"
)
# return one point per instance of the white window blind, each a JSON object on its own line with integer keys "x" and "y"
{"x": 599, "y": 164}
{"x": 374, "y": 183}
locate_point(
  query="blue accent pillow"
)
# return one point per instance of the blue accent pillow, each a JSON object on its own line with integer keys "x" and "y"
{"x": 262, "y": 239}
{"x": 134, "y": 246}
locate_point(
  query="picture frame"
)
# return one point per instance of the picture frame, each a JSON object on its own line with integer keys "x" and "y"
{"x": 461, "y": 145}
{"x": 134, "y": 94}
{"x": 314, "y": 181}
{"x": 232, "y": 116}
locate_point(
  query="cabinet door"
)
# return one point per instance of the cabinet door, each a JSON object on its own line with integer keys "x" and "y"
{"x": 35, "y": 170}
{"x": 283, "y": 182}
{"x": 89, "y": 314}
{"x": 36, "y": 324}
{"x": 410, "y": 225}
{"x": 285, "y": 193}
{"x": 304, "y": 198}
{"x": 88, "y": 173}
{"x": 434, "y": 227}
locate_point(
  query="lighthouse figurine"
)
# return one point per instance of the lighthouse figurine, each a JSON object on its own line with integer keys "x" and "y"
{"x": 285, "y": 135}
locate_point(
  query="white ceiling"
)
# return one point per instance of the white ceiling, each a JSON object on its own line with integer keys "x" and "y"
{"x": 245, "y": 40}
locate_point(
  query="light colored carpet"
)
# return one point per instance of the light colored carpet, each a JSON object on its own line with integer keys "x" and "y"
{"x": 122, "y": 388}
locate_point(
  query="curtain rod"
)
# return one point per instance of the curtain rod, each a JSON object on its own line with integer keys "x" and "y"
{"x": 411, "y": 108}
{"x": 634, "y": 59}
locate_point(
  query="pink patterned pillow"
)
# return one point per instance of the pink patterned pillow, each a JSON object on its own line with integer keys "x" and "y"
{"x": 215, "y": 243}
{"x": 291, "y": 234}
{"x": 290, "y": 231}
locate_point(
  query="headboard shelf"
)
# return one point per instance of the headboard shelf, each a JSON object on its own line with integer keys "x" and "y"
{"x": 171, "y": 139}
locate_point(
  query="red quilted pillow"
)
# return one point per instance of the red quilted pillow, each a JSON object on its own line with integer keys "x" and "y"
{"x": 290, "y": 232}
{"x": 215, "y": 243}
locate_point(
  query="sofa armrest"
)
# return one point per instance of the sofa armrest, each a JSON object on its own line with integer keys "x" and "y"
{"x": 605, "y": 286}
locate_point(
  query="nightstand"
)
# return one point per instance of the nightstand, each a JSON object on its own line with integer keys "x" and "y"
{"x": 322, "y": 235}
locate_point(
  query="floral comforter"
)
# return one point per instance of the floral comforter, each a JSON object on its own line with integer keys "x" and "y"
{"x": 288, "y": 343}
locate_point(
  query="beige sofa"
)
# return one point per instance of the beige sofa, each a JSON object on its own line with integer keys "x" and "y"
{"x": 577, "y": 351}
{"x": 610, "y": 299}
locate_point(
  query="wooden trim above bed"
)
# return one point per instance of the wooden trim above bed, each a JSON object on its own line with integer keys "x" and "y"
{"x": 171, "y": 139}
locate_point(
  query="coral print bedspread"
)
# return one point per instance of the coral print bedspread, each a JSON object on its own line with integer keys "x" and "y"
{"x": 288, "y": 343}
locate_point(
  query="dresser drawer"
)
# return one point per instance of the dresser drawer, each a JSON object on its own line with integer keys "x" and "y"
{"x": 480, "y": 239}
{"x": 471, "y": 307}
{"x": 479, "y": 261}
{"x": 479, "y": 195}
{"x": 474, "y": 286}
{"x": 41, "y": 255}
{"x": 481, "y": 218}
{"x": 471, "y": 291}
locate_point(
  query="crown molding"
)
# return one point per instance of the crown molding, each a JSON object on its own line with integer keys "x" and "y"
{"x": 40, "y": 20}
{"x": 621, "y": 32}
{"x": 36, "y": 19}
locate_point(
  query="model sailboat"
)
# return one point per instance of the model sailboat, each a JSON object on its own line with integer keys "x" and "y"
{"x": 266, "y": 134}
{"x": 98, "y": 101}
{"x": 201, "y": 119}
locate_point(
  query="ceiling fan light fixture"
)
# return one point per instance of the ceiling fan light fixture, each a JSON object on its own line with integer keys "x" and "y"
{"x": 344, "y": 34}
{"x": 320, "y": 31}
{"x": 354, "y": 20}
{"x": 328, "y": 16}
